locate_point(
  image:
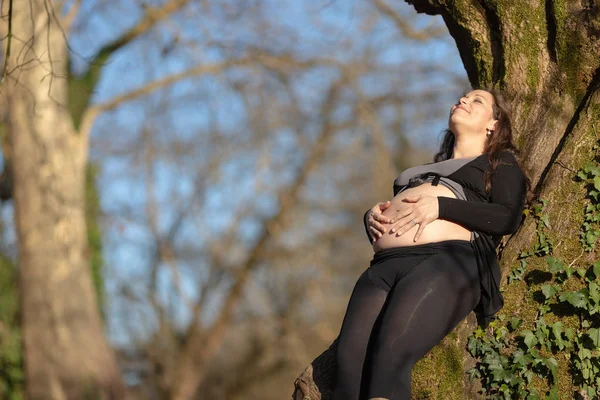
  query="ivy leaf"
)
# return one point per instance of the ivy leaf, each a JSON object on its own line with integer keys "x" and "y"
{"x": 553, "y": 395}
{"x": 548, "y": 290}
{"x": 533, "y": 396}
{"x": 552, "y": 366}
{"x": 515, "y": 323}
{"x": 544, "y": 219}
{"x": 597, "y": 182}
{"x": 557, "y": 330}
{"x": 596, "y": 269}
{"x": 529, "y": 376}
{"x": 472, "y": 347}
{"x": 594, "y": 334}
{"x": 584, "y": 353}
{"x": 590, "y": 237}
{"x": 577, "y": 299}
{"x": 521, "y": 359}
{"x": 570, "y": 333}
{"x": 555, "y": 264}
{"x": 498, "y": 374}
{"x": 529, "y": 338}
{"x": 473, "y": 373}
{"x": 524, "y": 254}
{"x": 594, "y": 293}
{"x": 585, "y": 323}
{"x": 569, "y": 271}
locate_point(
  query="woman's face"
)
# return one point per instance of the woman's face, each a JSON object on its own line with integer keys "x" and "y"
{"x": 473, "y": 113}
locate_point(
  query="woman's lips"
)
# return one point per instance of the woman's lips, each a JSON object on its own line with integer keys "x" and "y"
{"x": 459, "y": 108}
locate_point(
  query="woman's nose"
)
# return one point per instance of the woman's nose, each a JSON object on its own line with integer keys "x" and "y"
{"x": 462, "y": 100}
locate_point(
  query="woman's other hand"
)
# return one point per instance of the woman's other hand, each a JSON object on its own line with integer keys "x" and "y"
{"x": 424, "y": 210}
{"x": 375, "y": 219}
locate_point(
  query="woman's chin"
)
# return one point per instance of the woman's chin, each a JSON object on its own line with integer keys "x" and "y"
{"x": 457, "y": 116}
{"x": 457, "y": 122}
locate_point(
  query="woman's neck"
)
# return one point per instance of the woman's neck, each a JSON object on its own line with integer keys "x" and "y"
{"x": 465, "y": 147}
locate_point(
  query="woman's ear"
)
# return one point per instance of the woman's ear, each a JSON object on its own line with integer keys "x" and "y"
{"x": 492, "y": 125}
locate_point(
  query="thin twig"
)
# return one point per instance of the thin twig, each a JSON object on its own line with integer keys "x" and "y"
{"x": 9, "y": 38}
{"x": 573, "y": 262}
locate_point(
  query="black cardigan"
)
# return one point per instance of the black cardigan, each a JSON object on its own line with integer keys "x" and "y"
{"x": 491, "y": 215}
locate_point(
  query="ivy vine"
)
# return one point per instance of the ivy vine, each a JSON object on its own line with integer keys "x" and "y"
{"x": 511, "y": 358}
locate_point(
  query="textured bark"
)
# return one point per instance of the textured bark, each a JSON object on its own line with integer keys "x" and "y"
{"x": 66, "y": 353}
{"x": 545, "y": 55}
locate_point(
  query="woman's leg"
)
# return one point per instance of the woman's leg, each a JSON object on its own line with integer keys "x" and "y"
{"x": 422, "y": 308}
{"x": 364, "y": 306}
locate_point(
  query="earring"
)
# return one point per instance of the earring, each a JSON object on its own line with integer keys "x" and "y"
{"x": 489, "y": 133}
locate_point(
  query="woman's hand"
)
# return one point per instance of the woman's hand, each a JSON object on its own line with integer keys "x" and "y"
{"x": 375, "y": 219}
{"x": 424, "y": 210}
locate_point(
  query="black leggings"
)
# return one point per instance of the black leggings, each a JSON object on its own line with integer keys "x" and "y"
{"x": 406, "y": 302}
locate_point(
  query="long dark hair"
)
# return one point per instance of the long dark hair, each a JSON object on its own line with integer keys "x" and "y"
{"x": 501, "y": 139}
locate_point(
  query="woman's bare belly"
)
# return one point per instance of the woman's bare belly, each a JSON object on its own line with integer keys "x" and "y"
{"x": 435, "y": 231}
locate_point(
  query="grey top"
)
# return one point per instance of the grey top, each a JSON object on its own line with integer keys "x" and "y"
{"x": 443, "y": 168}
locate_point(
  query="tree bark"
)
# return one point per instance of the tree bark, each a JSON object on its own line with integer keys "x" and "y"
{"x": 545, "y": 57}
{"x": 66, "y": 353}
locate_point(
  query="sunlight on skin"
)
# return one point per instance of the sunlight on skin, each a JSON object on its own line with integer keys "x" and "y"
{"x": 378, "y": 398}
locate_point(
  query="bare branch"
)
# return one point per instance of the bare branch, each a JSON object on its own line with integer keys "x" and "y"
{"x": 8, "y": 43}
{"x": 67, "y": 20}
{"x": 153, "y": 16}
{"x": 284, "y": 63}
{"x": 198, "y": 349}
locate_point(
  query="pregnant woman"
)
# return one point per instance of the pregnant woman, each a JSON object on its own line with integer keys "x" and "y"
{"x": 435, "y": 252}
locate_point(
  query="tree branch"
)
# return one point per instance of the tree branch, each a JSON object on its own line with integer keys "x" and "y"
{"x": 284, "y": 63}
{"x": 67, "y": 20}
{"x": 88, "y": 81}
{"x": 8, "y": 41}
{"x": 200, "y": 348}
{"x": 405, "y": 27}
{"x": 467, "y": 22}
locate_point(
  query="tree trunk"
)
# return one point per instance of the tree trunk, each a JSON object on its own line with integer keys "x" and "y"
{"x": 546, "y": 56}
{"x": 66, "y": 353}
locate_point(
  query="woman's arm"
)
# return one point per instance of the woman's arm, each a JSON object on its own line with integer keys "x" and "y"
{"x": 502, "y": 215}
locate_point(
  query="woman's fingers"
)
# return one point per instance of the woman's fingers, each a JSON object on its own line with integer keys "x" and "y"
{"x": 401, "y": 214}
{"x": 404, "y": 225}
{"x": 422, "y": 226}
{"x": 375, "y": 234}
{"x": 382, "y": 218}
{"x": 373, "y": 223}
{"x": 384, "y": 205}
{"x": 412, "y": 199}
